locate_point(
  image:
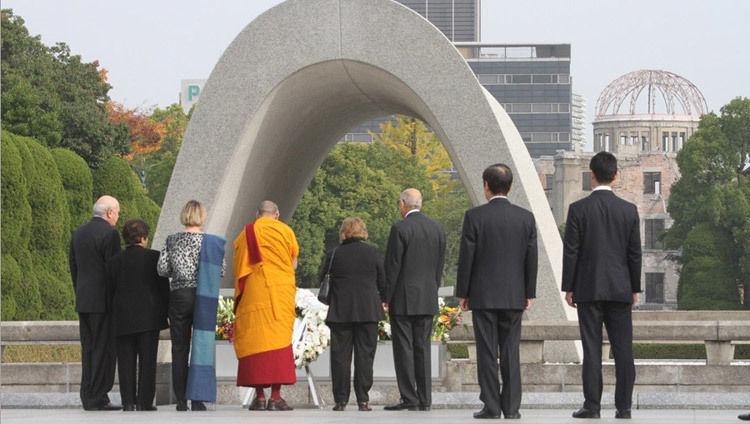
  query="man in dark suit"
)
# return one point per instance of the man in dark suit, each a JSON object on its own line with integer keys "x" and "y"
{"x": 414, "y": 261}
{"x": 91, "y": 246}
{"x": 139, "y": 307}
{"x": 497, "y": 268}
{"x": 602, "y": 278}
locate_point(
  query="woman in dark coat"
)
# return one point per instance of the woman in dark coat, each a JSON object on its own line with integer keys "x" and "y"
{"x": 140, "y": 301}
{"x": 357, "y": 284}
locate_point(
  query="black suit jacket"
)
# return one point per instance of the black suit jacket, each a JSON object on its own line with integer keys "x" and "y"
{"x": 357, "y": 283}
{"x": 602, "y": 249}
{"x": 497, "y": 261}
{"x": 140, "y": 295}
{"x": 414, "y": 261}
{"x": 91, "y": 246}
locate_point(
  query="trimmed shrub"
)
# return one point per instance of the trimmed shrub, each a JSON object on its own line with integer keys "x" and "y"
{"x": 16, "y": 211}
{"x": 50, "y": 235}
{"x": 78, "y": 184}
{"x": 115, "y": 178}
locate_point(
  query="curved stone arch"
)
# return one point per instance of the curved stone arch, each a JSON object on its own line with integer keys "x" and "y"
{"x": 301, "y": 75}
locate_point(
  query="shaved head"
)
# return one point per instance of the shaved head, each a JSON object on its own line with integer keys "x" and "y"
{"x": 268, "y": 208}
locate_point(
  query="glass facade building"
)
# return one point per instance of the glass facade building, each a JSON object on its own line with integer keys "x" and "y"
{"x": 531, "y": 81}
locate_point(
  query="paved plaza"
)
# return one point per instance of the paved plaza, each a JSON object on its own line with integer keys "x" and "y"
{"x": 233, "y": 414}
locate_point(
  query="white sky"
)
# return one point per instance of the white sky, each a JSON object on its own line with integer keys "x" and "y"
{"x": 149, "y": 46}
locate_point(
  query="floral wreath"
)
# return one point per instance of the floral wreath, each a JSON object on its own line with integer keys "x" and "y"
{"x": 314, "y": 338}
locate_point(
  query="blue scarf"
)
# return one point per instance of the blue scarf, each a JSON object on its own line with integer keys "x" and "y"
{"x": 201, "y": 384}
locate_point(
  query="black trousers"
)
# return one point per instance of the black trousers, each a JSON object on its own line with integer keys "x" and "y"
{"x": 181, "y": 305}
{"x": 493, "y": 329}
{"x": 411, "y": 355}
{"x": 98, "y": 358}
{"x": 137, "y": 352}
{"x": 617, "y": 317}
{"x": 362, "y": 338}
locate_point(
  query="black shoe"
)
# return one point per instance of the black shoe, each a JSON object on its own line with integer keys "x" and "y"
{"x": 585, "y": 413}
{"x": 182, "y": 405}
{"x": 623, "y": 413}
{"x": 128, "y": 407}
{"x": 257, "y": 405}
{"x": 401, "y": 406}
{"x": 278, "y": 405}
{"x": 364, "y": 406}
{"x": 486, "y": 413}
{"x": 514, "y": 416}
{"x": 424, "y": 407}
{"x": 197, "y": 405}
{"x": 744, "y": 417}
{"x": 340, "y": 406}
{"x": 146, "y": 408}
{"x": 106, "y": 407}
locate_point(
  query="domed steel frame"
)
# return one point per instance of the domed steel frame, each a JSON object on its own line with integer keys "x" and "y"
{"x": 673, "y": 88}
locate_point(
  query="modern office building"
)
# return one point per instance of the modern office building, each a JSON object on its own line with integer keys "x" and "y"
{"x": 531, "y": 81}
{"x": 578, "y": 122}
{"x": 457, "y": 19}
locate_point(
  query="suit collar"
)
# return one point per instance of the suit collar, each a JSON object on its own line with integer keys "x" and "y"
{"x": 412, "y": 212}
{"x": 602, "y": 193}
{"x": 499, "y": 200}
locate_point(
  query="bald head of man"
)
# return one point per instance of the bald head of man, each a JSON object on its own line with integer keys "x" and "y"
{"x": 410, "y": 199}
{"x": 108, "y": 208}
{"x": 268, "y": 209}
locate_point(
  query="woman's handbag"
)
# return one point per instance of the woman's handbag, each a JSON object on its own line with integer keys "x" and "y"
{"x": 324, "y": 294}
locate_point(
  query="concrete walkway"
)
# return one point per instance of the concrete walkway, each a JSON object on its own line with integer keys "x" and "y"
{"x": 233, "y": 414}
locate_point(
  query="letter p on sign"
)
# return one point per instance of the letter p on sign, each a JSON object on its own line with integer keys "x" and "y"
{"x": 193, "y": 91}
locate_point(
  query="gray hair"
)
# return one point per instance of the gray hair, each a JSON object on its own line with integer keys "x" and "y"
{"x": 412, "y": 198}
{"x": 104, "y": 204}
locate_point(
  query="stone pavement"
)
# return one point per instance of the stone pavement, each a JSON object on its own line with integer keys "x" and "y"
{"x": 233, "y": 414}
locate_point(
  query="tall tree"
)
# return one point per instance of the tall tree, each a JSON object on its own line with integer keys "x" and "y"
{"x": 354, "y": 180}
{"x": 450, "y": 201}
{"x": 714, "y": 190}
{"x": 52, "y": 95}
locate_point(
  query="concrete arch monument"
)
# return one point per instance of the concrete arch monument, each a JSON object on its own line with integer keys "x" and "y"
{"x": 302, "y": 74}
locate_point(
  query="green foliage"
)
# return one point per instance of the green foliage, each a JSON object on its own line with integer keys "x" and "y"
{"x": 78, "y": 184}
{"x": 354, "y": 180}
{"x": 157, "y": 180}
{"x": 41, "y": 353}
{"x": 448, "y": 209}
{"x": 51, "y": 95}
{"x": 44, "y": 291}
{"x": 714, "y": 190}
{"x": 458, "y": 350}
{"x": 115, "y": 178}
{"x": 705, "y": 282}
{"x": 16, "y": 211}
{"x": 667, "y": 351}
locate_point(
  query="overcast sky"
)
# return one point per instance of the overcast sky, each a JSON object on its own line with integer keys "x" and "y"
{"x": 149, "y": 46}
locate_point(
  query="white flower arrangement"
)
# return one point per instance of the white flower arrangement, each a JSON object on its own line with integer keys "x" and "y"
{"x": 316, "y": 336}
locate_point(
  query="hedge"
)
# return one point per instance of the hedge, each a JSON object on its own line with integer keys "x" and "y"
{"x": 78, "y": 184}
{"x": 115, "y": 178}
{"x": 44, "y": 290}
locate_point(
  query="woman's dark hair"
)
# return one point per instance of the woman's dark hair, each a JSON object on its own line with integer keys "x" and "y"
{"x": 604, "y": 167}
{"x": 134, "y": 230}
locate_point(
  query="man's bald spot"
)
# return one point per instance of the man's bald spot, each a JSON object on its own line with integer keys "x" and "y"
{"x": 412, "y": 198}
{"x": 268, "y": 208}
{"x": 105, "y": 203}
